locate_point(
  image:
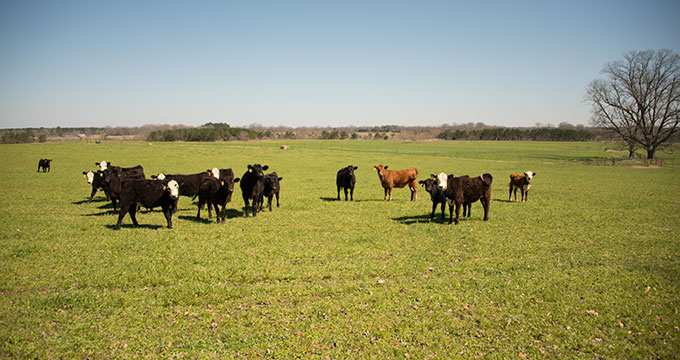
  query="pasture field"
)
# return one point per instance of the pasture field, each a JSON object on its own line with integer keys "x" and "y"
{"x": 588, "y": 268}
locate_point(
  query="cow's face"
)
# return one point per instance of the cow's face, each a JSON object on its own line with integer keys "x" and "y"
{"x": 160, "y": 176}
{"x": 442, "y": 180}
{"x": 173, "y": 189}
{"x": 380, "y": 169}
{"x": 215, "y": 172}
{"x": 103, "y": 165}
{"x": 529, "y": 175}
{"x": 89, "y": 175}
{"x": 350, "y": 170}
{"x": 257, "y": 170}
{"x": 429, "y": 184}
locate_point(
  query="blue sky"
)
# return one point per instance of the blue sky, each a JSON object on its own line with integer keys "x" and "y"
{"x": 314, "y": 63}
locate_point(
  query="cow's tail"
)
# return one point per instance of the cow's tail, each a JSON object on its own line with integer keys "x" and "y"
{"x": 486, "y": 179}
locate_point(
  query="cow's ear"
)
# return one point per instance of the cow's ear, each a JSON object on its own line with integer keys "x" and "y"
{"x": 421, "y": 182}
{"x": 280, "y": 178}
{"x": 84, "y": 172}
{"x": 237, "y": 180}
{"x": 356, "y": 167}
{"x": 534, "y": 174}
{"x": 250, "y": 166}
{"x": 433, "y": 176}
{"x": 385, "y": 167}
{"x": 265, "y": 167}
{"x": 375, "y": 167}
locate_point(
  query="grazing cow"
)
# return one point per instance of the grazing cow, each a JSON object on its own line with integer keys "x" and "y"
{"x": 271, "y": 189}
{"x": 113, "y": 180}
{"x": 436, "y": 194}
{"x": 44, "y": 164}
{"x": 398, "y": 178}
{"x": 521, "y": 182}
{"x": 215, "y": 193}
{"x": 96, "y": 179}
{"x": 346, "y": 180}
{"x": 461, "y": 190}
{"x": 150, "y": 194}
{"x": 252, "y": 186}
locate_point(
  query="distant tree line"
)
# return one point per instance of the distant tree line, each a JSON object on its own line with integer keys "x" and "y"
{"x": 207, "y": 132}
{"x": 537, "y": 134}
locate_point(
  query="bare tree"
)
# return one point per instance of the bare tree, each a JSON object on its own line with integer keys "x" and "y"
{"x": 639, "y": 98}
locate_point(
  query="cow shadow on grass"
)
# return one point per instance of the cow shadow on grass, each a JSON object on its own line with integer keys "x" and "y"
{"x": 231, "y": 213}
{"x": 424, "y": 218}
{"x": 501, "y": 200}
{"x": 84, "y": 201}
{"x": 132, "y": 226}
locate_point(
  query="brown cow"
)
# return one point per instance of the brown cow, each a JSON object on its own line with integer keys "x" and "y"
{"x": 398, "y": 178}
{"x": 522, "y": 182}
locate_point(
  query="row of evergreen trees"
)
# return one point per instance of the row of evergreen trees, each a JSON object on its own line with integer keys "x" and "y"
{"x": 21, "y": 138}
{"x": 207, "y": 132}
{"x": 539, "y": 134}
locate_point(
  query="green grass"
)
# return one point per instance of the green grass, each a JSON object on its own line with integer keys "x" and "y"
{"x": 588, "y": 268}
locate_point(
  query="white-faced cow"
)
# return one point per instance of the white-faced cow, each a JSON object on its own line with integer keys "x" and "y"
{"x": 96, "y": 179}
{"x": 521, "y": 182}
{"x": 44, "y": 164}
{"x": 216, "y": 193}
{"x": 461, "y": 190}
{"x": 103, "y": 165}
{"x": 346, "y": 180}
{"x": 390, "y": 179}
{"x": 150, "y": 194}
{"x": 252, "y": 186}
{"x": 271, "y": 189}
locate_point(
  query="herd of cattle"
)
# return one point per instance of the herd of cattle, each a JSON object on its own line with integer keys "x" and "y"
{"x": 214, "y": 188}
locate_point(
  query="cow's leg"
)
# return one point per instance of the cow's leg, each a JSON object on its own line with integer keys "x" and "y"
{"x": 385, "y": 198}
{"x": 457, "y": 212}
{"x": 133, "y": 213}
{"x": 277, "y": 198}
{"x": 390, "y": 198}
{"x": 351, "y": 194}
{"x": 121, "y": 215}
{"x": 414, "y": 190}
{"x": 94, "y": 191}
{"x": 114, "y": 204}
{"x": 485, "y": 204}
{"x": 346, "y": 190}
{"x": 526, "y": 196}
{"x": 434, "y": 208}
{"x": 167, "y": 211}
{"x": 270, "y": 198}
{"x": 510, "y": 193}
{"x": 223, "y": 214}
{"x": 450, "y": 212}
{"x": 200, "y": 205}
{"x": 339, "y": 193}
{"x": 443, "y": 210}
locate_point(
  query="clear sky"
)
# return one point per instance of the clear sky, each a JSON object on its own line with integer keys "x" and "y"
{"x": 314, "y": 63}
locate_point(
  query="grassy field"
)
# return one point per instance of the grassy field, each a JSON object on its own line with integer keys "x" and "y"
{"x": 588, "y": 268}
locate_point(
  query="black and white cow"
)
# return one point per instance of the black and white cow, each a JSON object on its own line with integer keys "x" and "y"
{"x": 103, "y": 165}
{"x": 96, "y": 179}
{"x": 461, "y": 190}
{"x": 44, "y": 164}
{"x": 189, "y": 185}
{"x": 436, "y": 194}
{"x": 271, "y": 189}
{"x": 252, "y": 186}
{"x": 150, "y": 194}
{"x": 346, "y": 180}
{"x": 216, "y": 193}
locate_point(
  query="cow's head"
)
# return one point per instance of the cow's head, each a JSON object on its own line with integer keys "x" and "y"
{"x": 89, "y": 175}
{"x": 173, "y": 189}
{"x": 215, "y": 172}
{"x": 380, "y": 169}
{"x": 442, "y": 180}
{"x": 257, "y": 170}
{"x": 530, "y": 175}
{"x": 103, "y": 165}
{"x": 160, "y": 177}
{"x": 350, "y": 170}
{"x": 429, "y": 184}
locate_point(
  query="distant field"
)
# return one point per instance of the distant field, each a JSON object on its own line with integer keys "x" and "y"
{"x": 588, "y": 268}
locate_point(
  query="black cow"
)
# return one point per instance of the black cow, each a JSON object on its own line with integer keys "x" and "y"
{"x": 216, "y": 193}
{"x": 150, "y": 194}
{"x": 461, "y": 190}
{"x": 346, "y": 180}
{"x": 436, "y": 194}
{"x": 271, "y": 189}
{"x": 44, "y": 164}
{"x": 252, "y": 186}
{"x": 113, "y": 180}
{"x": 96, "y": 179}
